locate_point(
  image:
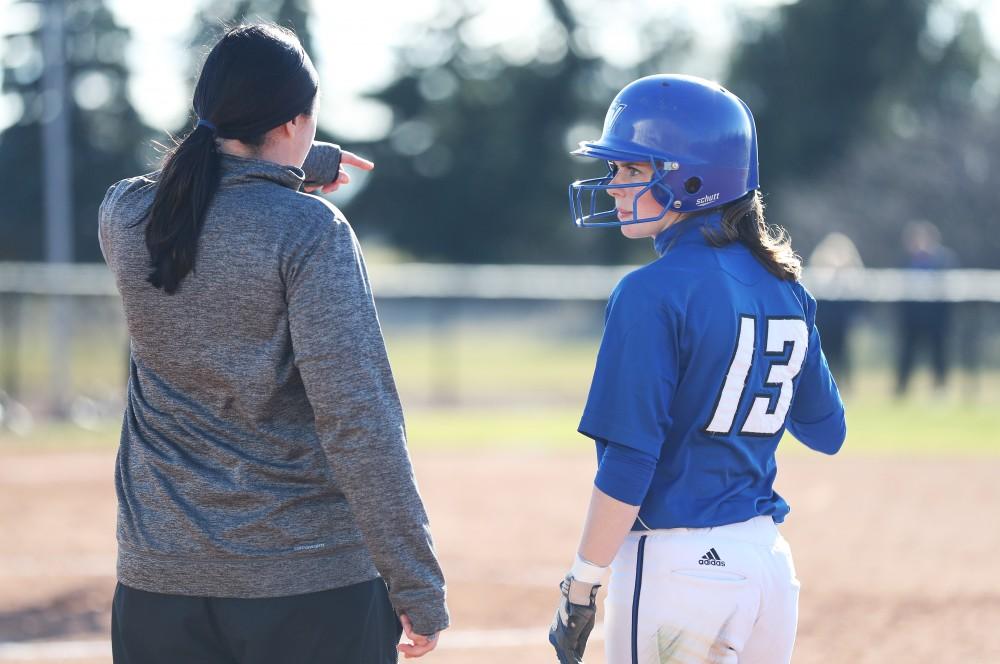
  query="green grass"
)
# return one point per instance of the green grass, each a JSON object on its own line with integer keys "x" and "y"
{"x": 537, "y": 396}
{"x": 963, "y": 419}
{"x": 876, "y": 425}
{"x": 480, "y": 390}
{"x": 456, "y": 428}
{"x": 60, "y": 437}
{"x": 478, "y": 368}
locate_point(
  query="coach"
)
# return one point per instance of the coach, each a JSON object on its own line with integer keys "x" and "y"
{"x": 267, "y": 509}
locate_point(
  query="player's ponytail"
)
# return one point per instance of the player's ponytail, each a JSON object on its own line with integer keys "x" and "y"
{"x": 743, "y": 221}
{"x": 255, "y": 78}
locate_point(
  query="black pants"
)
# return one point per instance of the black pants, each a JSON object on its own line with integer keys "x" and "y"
{"x": 923, "y": 324}
{"x": 352, "y": 625}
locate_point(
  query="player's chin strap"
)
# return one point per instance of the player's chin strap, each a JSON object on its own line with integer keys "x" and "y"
{"x": 577, "y": 611}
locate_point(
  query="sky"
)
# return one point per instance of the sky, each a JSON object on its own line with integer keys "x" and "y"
{"x": 355, "y": 45}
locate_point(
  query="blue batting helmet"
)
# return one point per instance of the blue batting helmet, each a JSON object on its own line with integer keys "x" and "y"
{"x": 699, "y": 138}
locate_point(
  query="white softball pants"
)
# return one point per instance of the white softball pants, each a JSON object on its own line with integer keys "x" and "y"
{"x": 722, "y": 595}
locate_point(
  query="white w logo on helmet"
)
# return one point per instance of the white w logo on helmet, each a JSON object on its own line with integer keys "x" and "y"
{"x": 613, "y": 114}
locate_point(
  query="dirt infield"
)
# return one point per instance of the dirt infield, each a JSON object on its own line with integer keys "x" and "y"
{"x": 899, "y": 558}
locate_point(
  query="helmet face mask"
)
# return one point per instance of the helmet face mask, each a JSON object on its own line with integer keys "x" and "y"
{"x": 698, "y": 137}
{"x": 587, "y": 215}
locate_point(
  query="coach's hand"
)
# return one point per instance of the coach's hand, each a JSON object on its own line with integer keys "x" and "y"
{"x": 574, "y": 620}
{"x": 419, "y": 644}
{"x": 343, "y": 177}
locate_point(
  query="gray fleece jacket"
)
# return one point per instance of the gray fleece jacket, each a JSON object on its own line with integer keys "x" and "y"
{"x": 263, "y": 451}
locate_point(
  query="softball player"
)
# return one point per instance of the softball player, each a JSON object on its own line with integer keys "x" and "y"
{"x": 267, "y": 510}
{"x": 709, "y": 353}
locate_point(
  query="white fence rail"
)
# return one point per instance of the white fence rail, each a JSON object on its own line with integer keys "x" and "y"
{"x": 545, "y": 282}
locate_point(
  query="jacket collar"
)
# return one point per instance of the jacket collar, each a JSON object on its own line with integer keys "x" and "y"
{"x": 237, "y": 170}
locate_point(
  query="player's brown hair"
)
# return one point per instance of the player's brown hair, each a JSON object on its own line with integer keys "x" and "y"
{"x": 743, "y": 221}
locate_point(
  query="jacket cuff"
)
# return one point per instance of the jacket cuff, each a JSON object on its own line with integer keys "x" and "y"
{"x": 427, "y": 611}
{"x": 322, "y": 164}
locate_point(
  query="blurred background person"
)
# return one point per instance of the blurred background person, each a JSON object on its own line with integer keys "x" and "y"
{"x": 924, "y": 325}
{"x": 836, "y": 254}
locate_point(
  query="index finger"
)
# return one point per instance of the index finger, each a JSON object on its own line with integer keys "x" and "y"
{"x": 351, "y": 159}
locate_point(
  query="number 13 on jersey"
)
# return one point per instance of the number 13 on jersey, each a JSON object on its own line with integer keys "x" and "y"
{"x": 784, "y": 338}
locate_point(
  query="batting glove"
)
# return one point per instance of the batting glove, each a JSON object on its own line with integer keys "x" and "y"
{"x": 574, "y": 620}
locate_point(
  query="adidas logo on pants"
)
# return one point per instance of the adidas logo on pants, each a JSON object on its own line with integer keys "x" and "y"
{"x": 712, "y": 558}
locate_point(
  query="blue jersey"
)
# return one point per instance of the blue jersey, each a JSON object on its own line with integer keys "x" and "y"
{"x": 706, "y": 358}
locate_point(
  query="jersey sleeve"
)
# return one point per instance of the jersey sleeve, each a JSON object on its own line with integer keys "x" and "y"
{"x": 817, "y": 415}
{"x": 636, "y": 372}
{"x": 625, "y": 473}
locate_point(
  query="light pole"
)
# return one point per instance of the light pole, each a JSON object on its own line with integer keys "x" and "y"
{"x": 58, "y": 187}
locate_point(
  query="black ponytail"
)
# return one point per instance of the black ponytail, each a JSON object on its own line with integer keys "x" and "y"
{"x": 187, "y": 183}
{"x": 257, "y": 77}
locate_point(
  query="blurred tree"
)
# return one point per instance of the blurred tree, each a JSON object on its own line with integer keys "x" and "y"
{"x": 475, "y": 168}
{"x": 214, "y": 16}
{"x": 812, "y": 72}
{"x": 846, "y": 93}
{"x": 942, "y": 170}
{"x": 108, "y": 137}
